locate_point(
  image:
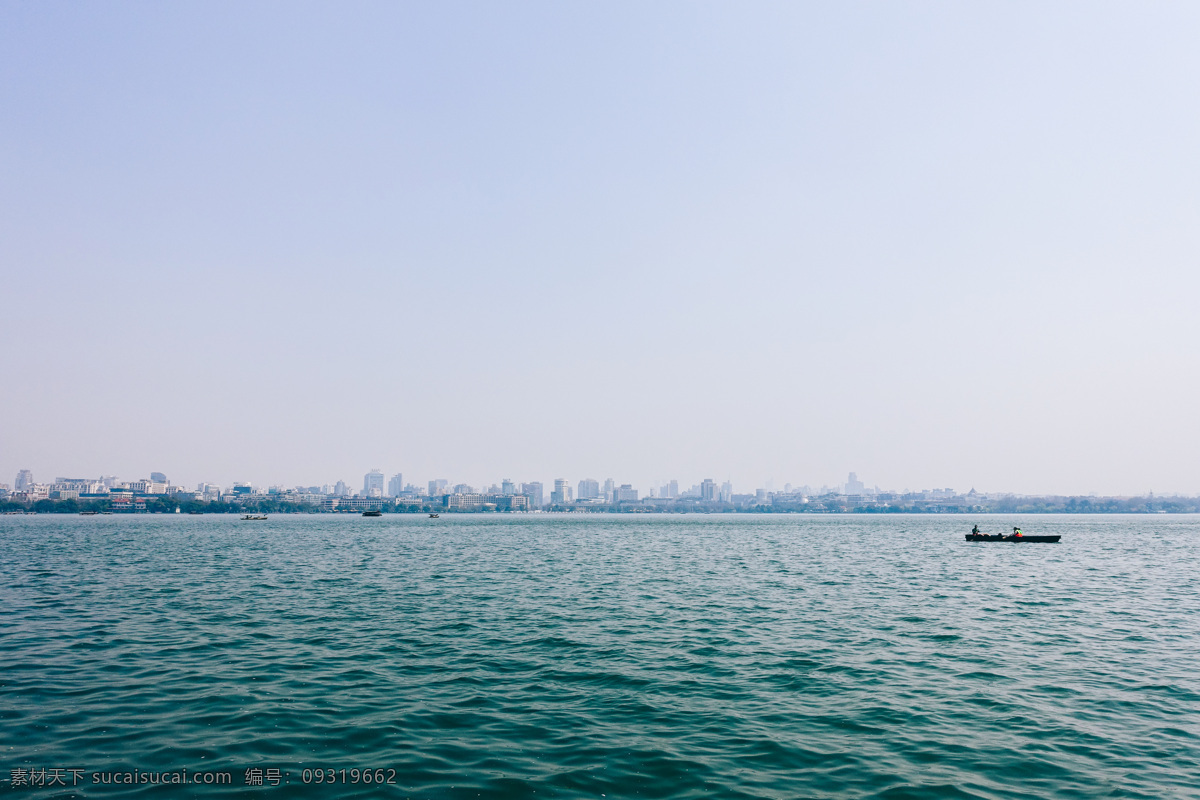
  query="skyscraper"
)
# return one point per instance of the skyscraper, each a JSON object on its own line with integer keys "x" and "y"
{"x": 507, "y": 487}
{"x": 534, "y": 492}
{"x": 588, "y": 489}
{"x": 396, "y": 485}
{"x": 708, "y": 490}
{"x": 437, "y": 487}
{"x": 24, "y": 480}
{"x": 373, "y": 480}
{"x": 561, "y": 495}
{"x": 341, "y": 489}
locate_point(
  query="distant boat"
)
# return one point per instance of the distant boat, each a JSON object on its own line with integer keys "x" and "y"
{"x": 254, "y": 517}
{"x": 87, "y": 513}
{"x": 1000, "y": 537}
{"x": 372, "y": 513}
{"x": 433, "y": 516}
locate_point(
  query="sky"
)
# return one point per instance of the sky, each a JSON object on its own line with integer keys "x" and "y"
{"x": 940, "y": 244}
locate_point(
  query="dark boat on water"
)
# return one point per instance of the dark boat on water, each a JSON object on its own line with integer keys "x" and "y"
{"x": 372, "y": 513}
{"x": 1000, "y": 537}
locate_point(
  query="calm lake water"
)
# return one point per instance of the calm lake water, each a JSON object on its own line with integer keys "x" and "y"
{"x": 606, "y": 656}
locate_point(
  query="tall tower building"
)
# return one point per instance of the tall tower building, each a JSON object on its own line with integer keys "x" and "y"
{"x": 396, "y": 485}
{"x": 437, "y": 487}
{"x": 561, "y": 495}
{"x": 24, "y": 480}
{"x": 588, "y": 489}
{"x": 708, "y": 490}
{"x": 534, "y": 492}
{"x": 373, "y": 480}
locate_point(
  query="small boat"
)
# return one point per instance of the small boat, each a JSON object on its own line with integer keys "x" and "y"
{"x": 433, "y": 516}
{"x": 254, "y": 517}
{"x": 87, "y": 513}
{"x": 1000, "y": 537}
{"x": 372, "y": 513}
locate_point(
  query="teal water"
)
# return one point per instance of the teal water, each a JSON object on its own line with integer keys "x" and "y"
{"x": 607, "y": 656}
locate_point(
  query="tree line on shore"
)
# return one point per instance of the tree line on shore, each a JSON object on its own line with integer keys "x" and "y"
{"x": 832, "y": 504}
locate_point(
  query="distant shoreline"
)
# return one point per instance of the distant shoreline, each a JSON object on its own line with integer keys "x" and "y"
{"x": 164, "y": 504}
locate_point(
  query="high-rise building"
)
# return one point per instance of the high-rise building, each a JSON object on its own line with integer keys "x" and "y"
{"x": 437, "y": 487}
{"x": 507, "y": 487}
{"x": 609, "y": 490}
{"x": 24, "y": 480}
{"x": 726, "y": 492}
{"x": 625, "y": 493}
{"x": 673, "y": 489}
{"x": 534, "y": 492}
{"x": 588, "y": 489}
{"x": 561, "y": 495}
{"x": 158, "y": 477}
{"x": 341, "y": 489}
{"x": 854, "y": 485}
{"x": 373, "y": 482}
{"x": 396, "y": 485}
{"x": 708, "y": 490}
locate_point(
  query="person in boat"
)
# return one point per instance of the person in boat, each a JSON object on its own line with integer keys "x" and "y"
{"x": 975, "y": 531}
{"x": 1017, "y": 533}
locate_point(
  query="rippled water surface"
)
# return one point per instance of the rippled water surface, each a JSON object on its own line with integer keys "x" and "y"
{"x": 618, "y": 656}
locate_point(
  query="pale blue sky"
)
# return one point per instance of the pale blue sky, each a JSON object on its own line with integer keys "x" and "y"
{"x": 941, "y": 244}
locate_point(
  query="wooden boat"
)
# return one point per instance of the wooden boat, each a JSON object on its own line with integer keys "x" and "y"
{"x": 433, "y": 516}
{"x": 254, "y": 517}
{"x": 1000, "y": 537}
{"x": 372, "y": 513}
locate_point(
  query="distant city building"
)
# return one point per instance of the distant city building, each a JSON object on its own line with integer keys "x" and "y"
{"x": 625, "y": 493}
{"x": 708, "y": 490}
{"x": 534, "y": 492}
{"x": 24, "y": 481}
{"x": 673, "y": 489}
{"x": 854, "y": 485}
{"x": 341, "y": 489}
{"x": 561, "y": 495}
{"x": 463, "y": 488}
{"x": 726, "y": 492}
{"x": 158, "y": 477}
{"x": 588, "y": 489}
{"x": 610, "y": 488}
{"x": 437, "y": 487}
{"x": 507, "y": 487}
{"x": 373, "y": 484}
{"x": 352, "y": 504}
{"x": 396, "y": 485}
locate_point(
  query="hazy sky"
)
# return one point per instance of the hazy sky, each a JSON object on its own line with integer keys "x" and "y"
{"x": 941, "y": 244}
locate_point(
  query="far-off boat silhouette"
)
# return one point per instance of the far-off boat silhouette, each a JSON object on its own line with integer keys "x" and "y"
{"x": 1016, "y": 536}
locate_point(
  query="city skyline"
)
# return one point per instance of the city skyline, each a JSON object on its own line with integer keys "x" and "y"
{"x": 560, "y": 491}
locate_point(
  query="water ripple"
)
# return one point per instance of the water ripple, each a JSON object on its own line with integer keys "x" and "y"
{"x": 546, "y": 656}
